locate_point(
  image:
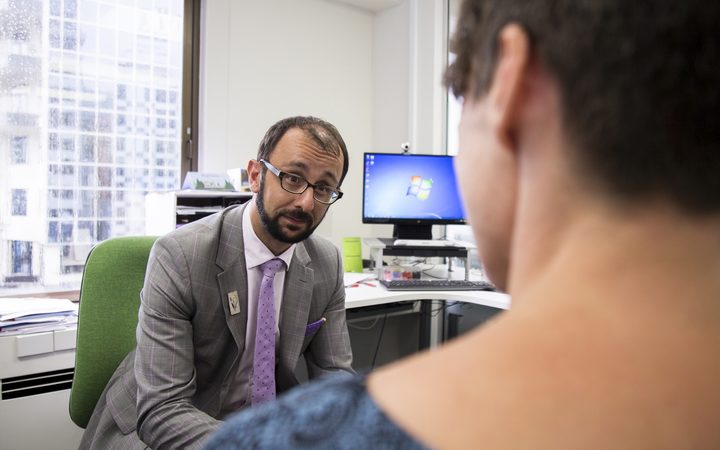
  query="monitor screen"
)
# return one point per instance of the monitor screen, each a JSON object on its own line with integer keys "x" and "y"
{"x": 412, "y": 192}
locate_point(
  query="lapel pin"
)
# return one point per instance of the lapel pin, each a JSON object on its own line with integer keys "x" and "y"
{"x": 234, "y": 302}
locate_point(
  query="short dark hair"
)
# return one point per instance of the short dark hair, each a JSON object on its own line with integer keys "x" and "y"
{"x": 323, "y": 133}
{"x": 639, "y": 86}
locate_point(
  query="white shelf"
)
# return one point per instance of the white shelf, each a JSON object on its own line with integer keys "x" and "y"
{"x": 165, "y": 211}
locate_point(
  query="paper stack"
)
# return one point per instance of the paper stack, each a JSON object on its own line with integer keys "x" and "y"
{"x": 33, "y": 315}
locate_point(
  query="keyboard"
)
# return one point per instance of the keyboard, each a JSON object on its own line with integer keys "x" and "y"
{"x": 422, "y": 243}
{"x": 437, "y": 285}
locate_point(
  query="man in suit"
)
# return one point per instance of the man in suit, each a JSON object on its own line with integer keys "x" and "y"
{"x": 202, "y": 307}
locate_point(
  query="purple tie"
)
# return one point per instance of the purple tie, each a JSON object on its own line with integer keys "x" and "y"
{"x": 263, "y": 386}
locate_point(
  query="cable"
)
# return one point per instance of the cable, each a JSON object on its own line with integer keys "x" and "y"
{"x": 425, "y": 272}
{"x": 372, "y": 325}
{"x": 436, "y": 312}
{"x": 377, "y": 346}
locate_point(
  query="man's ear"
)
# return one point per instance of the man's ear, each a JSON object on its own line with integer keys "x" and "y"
{"x": 254, "y": 174}
{"x": 506, "y": 89}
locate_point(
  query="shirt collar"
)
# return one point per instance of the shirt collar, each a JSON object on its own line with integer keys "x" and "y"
{"x": 256, "y": 253}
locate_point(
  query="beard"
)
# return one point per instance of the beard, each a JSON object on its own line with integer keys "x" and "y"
{"x": 272, "y": 224}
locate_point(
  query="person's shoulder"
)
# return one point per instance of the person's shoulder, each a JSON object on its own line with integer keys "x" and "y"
{"x": 334, "y": 412}
{"x": 200, "y": 240}
{"x": 559, "y": 378}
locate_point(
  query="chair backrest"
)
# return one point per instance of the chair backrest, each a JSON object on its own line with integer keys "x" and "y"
{"x": 107, "y": 317}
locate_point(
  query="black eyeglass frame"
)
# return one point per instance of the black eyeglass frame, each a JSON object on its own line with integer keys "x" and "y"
{"x": 281, "y": 174}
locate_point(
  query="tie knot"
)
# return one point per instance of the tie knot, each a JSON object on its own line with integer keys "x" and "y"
{"x": 269, "y": 268}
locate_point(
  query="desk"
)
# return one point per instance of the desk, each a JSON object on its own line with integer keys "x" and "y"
{"x": 363, "y": 296}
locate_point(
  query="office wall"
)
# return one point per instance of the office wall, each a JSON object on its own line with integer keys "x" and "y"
{"x": 371, "y": 74}
{"x": 410, "y": 56}
{"x": 391, "y": 76}
{"x": 267, "y": 60}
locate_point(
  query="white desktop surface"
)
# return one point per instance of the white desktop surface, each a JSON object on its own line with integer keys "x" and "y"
{"x": 365, "y": 295}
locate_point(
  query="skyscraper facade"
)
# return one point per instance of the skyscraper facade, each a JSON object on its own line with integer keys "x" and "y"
{"x": 90, "y": 118}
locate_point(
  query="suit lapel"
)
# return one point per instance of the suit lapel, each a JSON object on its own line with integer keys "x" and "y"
{"x": 295, "y": 307}
{"x": 232, "y": 279}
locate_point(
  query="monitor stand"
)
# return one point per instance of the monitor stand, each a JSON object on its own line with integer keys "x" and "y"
{"x": 423, "y": 232}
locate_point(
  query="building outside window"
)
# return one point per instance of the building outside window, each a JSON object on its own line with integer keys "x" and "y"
{"x": 87, "y": 89}
{"x": 18, "y": 150}
{"x": 22, "y": 258}
{"x": 19, "y": 202}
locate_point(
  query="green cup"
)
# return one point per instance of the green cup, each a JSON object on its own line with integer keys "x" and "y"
{"x": 352, "y": 254}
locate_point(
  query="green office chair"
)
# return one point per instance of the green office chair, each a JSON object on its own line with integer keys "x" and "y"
{"x": 107, "y": 317}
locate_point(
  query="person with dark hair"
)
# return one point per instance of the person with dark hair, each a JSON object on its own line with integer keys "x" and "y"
{"x": 232, "y": 301}
{"x": 589, "y": 162}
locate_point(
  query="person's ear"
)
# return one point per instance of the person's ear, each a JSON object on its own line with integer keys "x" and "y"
{"x": 254, "y": 173}
{"x": 505, "y": 94}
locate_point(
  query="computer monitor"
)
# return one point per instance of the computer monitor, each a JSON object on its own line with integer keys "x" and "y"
{"x": 412, "y": 192}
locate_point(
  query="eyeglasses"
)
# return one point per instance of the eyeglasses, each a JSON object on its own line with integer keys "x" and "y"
{"x": 295, "y": 184}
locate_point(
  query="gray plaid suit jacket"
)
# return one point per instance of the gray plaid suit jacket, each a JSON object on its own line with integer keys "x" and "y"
{"x": 169, "y": 391}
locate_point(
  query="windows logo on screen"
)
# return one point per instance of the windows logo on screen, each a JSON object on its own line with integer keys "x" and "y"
{"x": 419, "y": 187}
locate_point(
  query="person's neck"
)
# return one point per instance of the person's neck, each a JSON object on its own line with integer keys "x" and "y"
{"x": 601, "y": 253}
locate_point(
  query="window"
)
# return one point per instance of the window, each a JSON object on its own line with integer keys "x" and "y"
{"x": 94, "y": 91}
{"x": 18, "y": 150}
{"x": 21, "y": 254}
{"x": 19, "y": 202}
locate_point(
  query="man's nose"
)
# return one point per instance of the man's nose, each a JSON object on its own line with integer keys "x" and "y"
{"x": 306, "y": 199}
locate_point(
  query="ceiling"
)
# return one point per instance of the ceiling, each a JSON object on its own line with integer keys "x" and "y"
{"x": 370, "y": 5}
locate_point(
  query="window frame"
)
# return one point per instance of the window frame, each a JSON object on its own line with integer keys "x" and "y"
{"x": 191, "y": 87}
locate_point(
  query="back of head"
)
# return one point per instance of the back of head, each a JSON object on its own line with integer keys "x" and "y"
{"x": 639, "y": 87}
{"x": 323, "y": 133}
